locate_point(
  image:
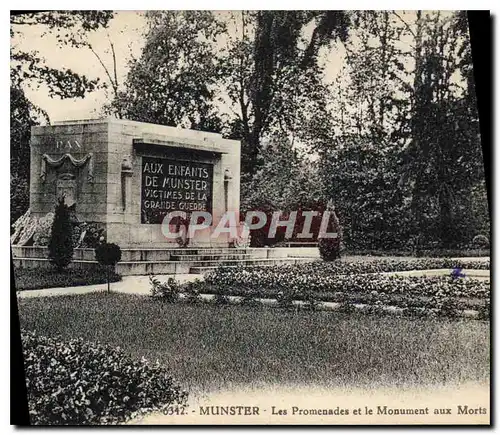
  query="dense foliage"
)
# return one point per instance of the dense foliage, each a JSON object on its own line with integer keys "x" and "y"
{"x": 308, "y": 272}
{"x": 34, "y": 279}
{"x": 108, "y": 254}
{"x": 81, "y": 383}
{"x": 61, "y": 237}
{"x": 356, "y": 286}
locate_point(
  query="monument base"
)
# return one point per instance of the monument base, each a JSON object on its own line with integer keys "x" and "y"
{"x": 171, "y": 261}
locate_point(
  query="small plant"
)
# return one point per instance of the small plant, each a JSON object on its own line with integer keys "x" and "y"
{"x": 346, "y": 308}
{"x": 330, "y": 247}
{"x": 191, "y": 292}
{"x": 446, "y": 306}
{"x": 250, "y": 298}
{"x": 285, "y": 300}
{"x": 166, "y": 291}
{"x": 485, "y": 311}
{"x": 310, "y": 302}
{"x": 108, "y": 254}
{"x": 221, "y": 299}
{"x": 61, "y": 237}
{"x": 480, "y": 242}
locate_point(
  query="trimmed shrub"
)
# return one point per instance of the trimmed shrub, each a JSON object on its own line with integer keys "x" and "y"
{"x": 168, "y": 291}
{"x": 108, "y": 254}
{"x": 484, "y": 312}
{"x": 61, "y": 237}
{"x": 81, "y": 383}
{"x": 221, "y": 299}
{"x": 285, "y": 299}
{"x": 329, "y": 247}
{"x": 480, "y": 242}
{"x": 346, "y": 308}
{"x": 251, "y": 298}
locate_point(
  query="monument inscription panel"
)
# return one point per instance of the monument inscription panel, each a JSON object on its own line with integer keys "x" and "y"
{"x": 174, "y": 185}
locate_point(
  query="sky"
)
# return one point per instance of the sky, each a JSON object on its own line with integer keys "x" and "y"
{"x": 126, "y": 30}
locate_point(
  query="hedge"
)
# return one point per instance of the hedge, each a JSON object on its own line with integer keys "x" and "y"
{"x": 321, "y": 276}
{"x": 81, "y": 383}
{"x": 34, "y": 279}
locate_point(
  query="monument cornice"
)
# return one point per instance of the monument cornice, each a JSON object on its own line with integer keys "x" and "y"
{"x": 162, "y": 142}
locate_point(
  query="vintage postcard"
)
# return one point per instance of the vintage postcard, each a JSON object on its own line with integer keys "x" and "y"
{"x": 249, "y": 217}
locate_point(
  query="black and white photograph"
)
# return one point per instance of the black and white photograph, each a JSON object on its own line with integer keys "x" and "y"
{"x": 250, "y": 217}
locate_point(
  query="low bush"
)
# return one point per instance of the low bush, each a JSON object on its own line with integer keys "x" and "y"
{"x": 346, "y": 307}
{"x": 480, "y": 242}
{"x": 82, "y": 383}
{"x": 363, "y": 288}
{"x": 329, "y": 249}
{"x": 221, "y": 298}
{"x": 324, "y": 276}
{"x": 251, "y": 298}
{"x": 191, "y": 292}
{"x": 285, "y": 299}
{"x": 33, "y": 279}
{"x": 168, "y": 291}
{"x": 484, "y": 311}
{"x": 432, "y": 253}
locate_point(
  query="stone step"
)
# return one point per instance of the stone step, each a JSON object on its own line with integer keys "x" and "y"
{"x": 126, "y": 268}
{"x": 164, "y": 254}
{"x": 182, "y": 267}
{"x": 212, "y": 257}
{"x": 149, "y": 254}
{"x": 262, "y": 263}
{"x": 43, "y": 263}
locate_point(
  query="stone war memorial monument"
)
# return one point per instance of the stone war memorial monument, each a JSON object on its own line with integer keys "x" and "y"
{"x": 120, "y": 179}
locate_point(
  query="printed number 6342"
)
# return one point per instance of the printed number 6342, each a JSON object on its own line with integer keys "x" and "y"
{"x": 175, "y": 410}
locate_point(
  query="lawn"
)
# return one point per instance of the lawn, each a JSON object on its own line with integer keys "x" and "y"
{"x": 34, "y": 279}
{"x": 209, "y": 347}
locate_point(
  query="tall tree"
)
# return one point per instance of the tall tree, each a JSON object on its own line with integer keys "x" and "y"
{"x": 174, "y": 82}
{"x": 443, "y": 160}
{"x": 28, "y": 68}
{"x": 273, "y": 74}
{"x": 358, "y": 153}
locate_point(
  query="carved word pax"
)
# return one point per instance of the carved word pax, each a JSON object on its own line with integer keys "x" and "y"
{"x": 68, "y": 144}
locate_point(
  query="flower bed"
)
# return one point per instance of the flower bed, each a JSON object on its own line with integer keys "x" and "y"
{"x": 286, "y": 274}
{"x": 78, "y": 382}
{"x": 392, "y": 290}
{"x": 356, "y": 283}
{"x": 319, "y": 276}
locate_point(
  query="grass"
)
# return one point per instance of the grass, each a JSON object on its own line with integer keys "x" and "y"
{"x": 33, "y": 279}
{"x": 210, "y": 347}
